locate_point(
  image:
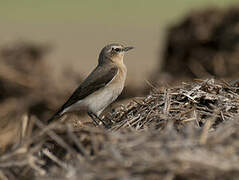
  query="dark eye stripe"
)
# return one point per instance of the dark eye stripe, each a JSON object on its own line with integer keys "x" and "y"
{"x": 117, "y": 49}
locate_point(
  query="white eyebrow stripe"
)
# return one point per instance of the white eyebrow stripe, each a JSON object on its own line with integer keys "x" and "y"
{"x": 116, "y": 47}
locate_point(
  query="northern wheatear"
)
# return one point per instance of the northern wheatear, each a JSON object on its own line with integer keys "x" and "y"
{"x": 102, "y": 86}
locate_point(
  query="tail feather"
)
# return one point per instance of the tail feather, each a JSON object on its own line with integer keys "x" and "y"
{"x": 55, "y": 116}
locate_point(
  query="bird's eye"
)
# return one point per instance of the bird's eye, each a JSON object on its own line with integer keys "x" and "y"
{"x": 117, "y": 49}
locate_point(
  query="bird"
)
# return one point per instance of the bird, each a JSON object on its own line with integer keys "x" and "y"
{"x": 102, "y": 86}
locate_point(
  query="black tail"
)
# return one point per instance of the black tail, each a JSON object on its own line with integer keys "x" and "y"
{"x": 55, "y": 116}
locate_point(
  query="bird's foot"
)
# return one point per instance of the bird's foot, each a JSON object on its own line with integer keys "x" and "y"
{"x": 92, "y": 116}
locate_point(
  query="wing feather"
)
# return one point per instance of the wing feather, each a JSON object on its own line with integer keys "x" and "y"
{"x": 99, "y": 78}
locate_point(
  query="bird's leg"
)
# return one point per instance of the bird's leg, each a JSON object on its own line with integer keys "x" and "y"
{"x": 101, "y": 121}
{"x": 93, "y": 118}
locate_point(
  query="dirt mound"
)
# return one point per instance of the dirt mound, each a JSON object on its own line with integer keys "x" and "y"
{"x": 186, "y": 132}
{"x": 21, "y": 66}
{"x": 26, "y": 79}
{"x": 204, "y": 44}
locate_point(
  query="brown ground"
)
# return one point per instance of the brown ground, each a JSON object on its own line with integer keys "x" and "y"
{"x": 186, "y": 132}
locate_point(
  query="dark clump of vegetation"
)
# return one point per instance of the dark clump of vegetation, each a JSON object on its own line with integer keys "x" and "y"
{"x": 204, "y": 44}
{"x": 185, "y": 132}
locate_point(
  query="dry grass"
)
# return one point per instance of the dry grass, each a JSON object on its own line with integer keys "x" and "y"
{"x": 185, "y": 132}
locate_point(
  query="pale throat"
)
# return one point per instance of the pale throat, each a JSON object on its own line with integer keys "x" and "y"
{"x": 119, "y": 59}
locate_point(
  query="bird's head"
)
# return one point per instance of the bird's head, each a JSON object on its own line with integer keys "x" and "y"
{"x": 114, "y": 53}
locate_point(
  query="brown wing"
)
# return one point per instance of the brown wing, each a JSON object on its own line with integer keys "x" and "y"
{"x": 99, "y": 77}
{"x": 96, "y": 80}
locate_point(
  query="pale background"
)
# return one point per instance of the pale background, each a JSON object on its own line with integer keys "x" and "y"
{"x": 78, "y": 29}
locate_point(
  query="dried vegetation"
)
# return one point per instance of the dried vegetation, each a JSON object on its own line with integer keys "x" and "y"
{"x": 185, "y": 132}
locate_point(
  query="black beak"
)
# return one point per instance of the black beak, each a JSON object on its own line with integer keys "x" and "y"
{"x": 125, "y": 49}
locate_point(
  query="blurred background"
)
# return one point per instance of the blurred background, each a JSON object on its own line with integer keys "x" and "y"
{"x": 49, "y": 47}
